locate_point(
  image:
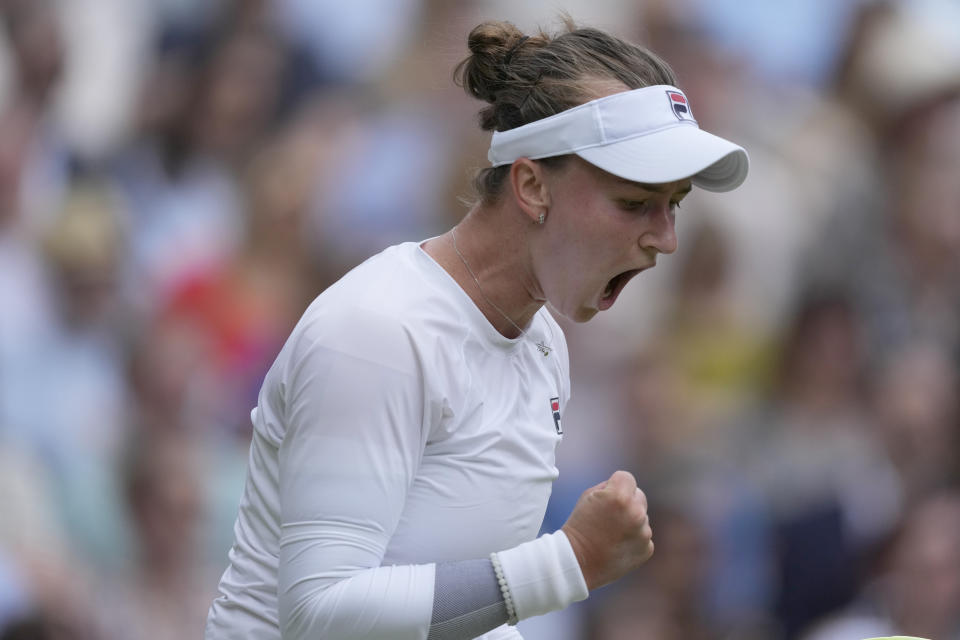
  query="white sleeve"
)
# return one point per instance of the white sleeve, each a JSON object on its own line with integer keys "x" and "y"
{"x": 355, "y": 432}
{"x": 357, "y": 417}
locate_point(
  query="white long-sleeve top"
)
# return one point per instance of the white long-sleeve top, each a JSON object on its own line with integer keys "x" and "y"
{"x": 396, "y": 429}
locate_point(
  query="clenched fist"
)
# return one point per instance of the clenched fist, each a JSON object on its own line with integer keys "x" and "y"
{"x": 609, "y": 530}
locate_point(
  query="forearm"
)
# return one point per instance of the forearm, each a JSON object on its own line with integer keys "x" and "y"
{"x": 448, "y": 601}
{"x": 467, "y": 600}
{"x": 384, "y": 602}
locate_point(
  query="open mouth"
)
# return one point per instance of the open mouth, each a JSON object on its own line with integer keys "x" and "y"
{"x": 614, "y": 287}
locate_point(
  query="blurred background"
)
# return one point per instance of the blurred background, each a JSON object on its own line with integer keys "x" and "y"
{"x": 179, "y": 178}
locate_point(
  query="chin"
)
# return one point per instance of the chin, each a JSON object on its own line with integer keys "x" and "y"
{"x": 583, "y": 314}
{"x": 576, "y": 312}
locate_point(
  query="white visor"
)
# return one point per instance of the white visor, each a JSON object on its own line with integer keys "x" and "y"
{"x": 645, "y": 135}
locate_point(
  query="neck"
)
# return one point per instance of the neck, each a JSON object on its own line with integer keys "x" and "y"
{"x": 493, "y": 246}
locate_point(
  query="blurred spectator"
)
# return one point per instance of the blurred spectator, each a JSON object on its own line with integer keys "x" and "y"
{"x": 164, "y": 593}
{"x": 791, "y": 42}
{"x": 671, "y": 598}
{"x": 898, "y": 55}
{"x": 41, "y": 589}
{"x": 697, "y": 473}
{"x": 34, "y": 32}
{"x": 350, "y": 43}
{"x": 215, "y": 97}
{"x": 67, "y": 403}
{"x": 917, "y": 413}
{"x": 239, "y": 95}
{"x": 202, "y": 362}
{"x": 183, "y": 205}
{"x": 388, "y": 180}
{"x": 917, "y": 588}
{"x": 894, "y": 246}
{"x": 28, "y": 300}
{"x": 723, "y": 358}
{"x": 31, "y": 531}
{"x": 83, "y": 248}
{"x": 831, "y": 491}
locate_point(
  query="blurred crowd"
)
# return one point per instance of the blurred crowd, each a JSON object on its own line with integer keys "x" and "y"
{"x": 179, "y": 179}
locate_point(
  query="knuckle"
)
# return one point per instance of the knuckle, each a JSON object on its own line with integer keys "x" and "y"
{"x": 642, "y": 497}
{"x": 623, "y": 479}
{"x": 638, "y": 513}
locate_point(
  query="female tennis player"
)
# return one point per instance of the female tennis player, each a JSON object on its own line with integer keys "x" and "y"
{"x": 404, "y": 439}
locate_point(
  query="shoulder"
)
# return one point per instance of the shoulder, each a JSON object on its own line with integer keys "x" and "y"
{"x": 385, "y": 310}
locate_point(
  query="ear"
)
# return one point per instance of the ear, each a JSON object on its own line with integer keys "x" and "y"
{"x": 527, "y": 180}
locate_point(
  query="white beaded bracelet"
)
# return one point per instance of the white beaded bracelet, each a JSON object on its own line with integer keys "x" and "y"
{"x": 504, "y": 589}
{"x": 543, "y": 574}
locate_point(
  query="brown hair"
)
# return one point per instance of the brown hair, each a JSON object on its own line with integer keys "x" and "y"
{"x": 527, "y": 78}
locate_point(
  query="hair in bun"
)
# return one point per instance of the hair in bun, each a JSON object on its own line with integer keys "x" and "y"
{"x": 526, "y": 78}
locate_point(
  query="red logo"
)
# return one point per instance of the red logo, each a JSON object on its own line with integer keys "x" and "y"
{"x": 555, "y": 408}
{"x": 680, "y": 106}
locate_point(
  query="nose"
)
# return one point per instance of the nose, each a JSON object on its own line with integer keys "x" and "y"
{"x": 661, "y": 233}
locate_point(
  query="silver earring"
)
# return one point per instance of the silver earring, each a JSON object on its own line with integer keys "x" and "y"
{"x": 543, "y": 217}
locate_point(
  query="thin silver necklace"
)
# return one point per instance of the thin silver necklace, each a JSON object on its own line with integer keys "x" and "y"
{"x": 453, "y": 234}
{"x": 544, "y": 349}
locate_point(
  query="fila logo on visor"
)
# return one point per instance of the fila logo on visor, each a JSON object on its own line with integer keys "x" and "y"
{"x": 680, "y": 106}
{"x": 555, "y": 408}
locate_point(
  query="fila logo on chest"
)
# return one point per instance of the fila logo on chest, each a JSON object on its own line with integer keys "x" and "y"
{"x": 555, "y": 408}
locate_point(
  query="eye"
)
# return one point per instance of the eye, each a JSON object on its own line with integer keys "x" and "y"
{"x": 632, "y": 205}
{"x": 674, "y": 205}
